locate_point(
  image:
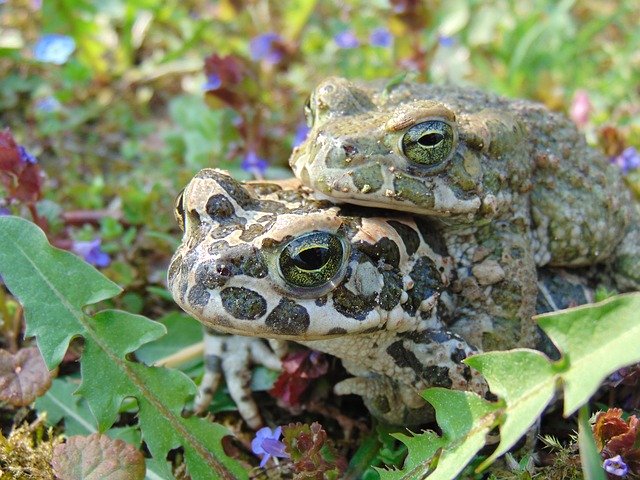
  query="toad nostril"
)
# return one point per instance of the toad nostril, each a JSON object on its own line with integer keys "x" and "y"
{"x": 349, "y": 150}
{"x": 223, "y": 270}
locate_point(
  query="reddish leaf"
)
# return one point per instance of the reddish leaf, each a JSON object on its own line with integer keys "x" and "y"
{"x": 23, "y": 376}
{"x": 299, "y": 368}
{"x": 225, "y": 74}
{"x": 311, "y": 453}
{"x": 21, "y": 179}
{"x": 97, "y": 457}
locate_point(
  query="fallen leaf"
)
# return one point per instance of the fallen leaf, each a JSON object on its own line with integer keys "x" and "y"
{"x": 23, "y": 376}
{"x": 97, "y": 457}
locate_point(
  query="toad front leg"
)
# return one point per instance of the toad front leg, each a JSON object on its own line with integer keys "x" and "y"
{"x": 231, "y": 356}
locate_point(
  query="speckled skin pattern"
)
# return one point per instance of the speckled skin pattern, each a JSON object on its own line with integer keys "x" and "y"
{"x": 515, "y": 187}
{"x": 382, "y": 309}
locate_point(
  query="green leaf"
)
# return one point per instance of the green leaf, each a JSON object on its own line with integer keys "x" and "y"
{"x": 54, "y": 287}
{"x": 589, "y": 455}
{"x": 596, "y": 340}
{"x": 61, "y": 403}
{"x": 525, "y": 395}
{"x": 39, "y": 276}
{"x": 465, "y": 420}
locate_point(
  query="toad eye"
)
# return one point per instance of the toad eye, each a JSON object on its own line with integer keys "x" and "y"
{"x": 178, "y": 210}
{"x": 308, "y": 112}
{"x": 428, "y": 143}
{"x": 312, "y": 260}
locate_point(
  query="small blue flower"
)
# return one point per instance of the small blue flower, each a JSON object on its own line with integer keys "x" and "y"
{"x": 26, "y": 157}
{"x": 616, "y": 466}
{"x": 265, "y": 47}
{"x": 253, "y": 164}
{"x": 381, "y": 37}
{"x": 628, "y": 160}
{"x": 267, "y": 443}
{"x": 446, "y": 41}
{"x": 301, "y": 134}
{"x": 54, "y": 49}
{"x": 346, "y": 39}
{"x": 92, "y": 253}
{"x": 48, "y": 104}
{"x": 214, "y": 82}
{"x": 4, "y": 211}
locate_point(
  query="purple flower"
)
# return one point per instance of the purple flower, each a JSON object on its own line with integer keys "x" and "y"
{"x": 266, "y": 47}
{"x": 267, "y": 443}
{"x": 301, "y": 134}
{"x": 4, "y": 211}
{"x": 346, "y": 39}
{"x": 616, "y": 466}
{"x": 628, "y": 160}
{"x": 48, "y": 104}
{"x": 381, "y": 37}
{"x": 92, "y": 253}
{"x": 26, "y": 157}
{"x": 214, "y": 82}
{"x": 446, "y": 41}
{"x": 253, "y": 164}
{"x": 54, "y": 49}
{"x": 580, "y": 108}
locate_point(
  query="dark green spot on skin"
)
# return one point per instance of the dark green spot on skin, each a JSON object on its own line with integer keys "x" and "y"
{"x": 236, "y": 191}
{"x": 337, "y": 331}
{"x": 219, "y": 207}
{"x": 385, "y": 250}
{"x": 431, "y": 235}
{"x": 391, "y": 290}
{"x": 288, "y": 318}
{"x": 459, "y": 175}
{"x": 351, "y": 305}
{"x": 243, "y": 303}
{"x": 198, "y": 296}
{"x": 409, "y": 236}
{"x": 368, "y": 179}
{"x": 321, "y": 301}
{"x": 426, "y": 282}
{"x": 414, "y": 190}
{"x": 405, "y": 358}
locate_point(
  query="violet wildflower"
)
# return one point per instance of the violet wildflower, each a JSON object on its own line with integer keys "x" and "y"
{"x": 92, "y": 253}
{"x": 616, "y": 466}
{"x": 267, "y": 443}
{"x": 4, "y": 211}
{"x": 48, "y": 104}
{"x": 346, "y": 39}
{"x": 253, "y": 164}
{"x": 628, "y": 160}
{"x": 381, "y": 37}
{"x": 302, "y": 130}
{"x": 26, "y": 157}
{"x": 267, "y": 47}
{"x": 446, "y": 41}
{"x": 54, "y": 48}
{"x": 580, "y": 108}
{"x": 214, "y": 82}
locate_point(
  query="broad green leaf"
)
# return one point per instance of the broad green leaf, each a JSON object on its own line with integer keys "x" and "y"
{"x": 589, "y": 455}
{"x": 525, "y": 396}
{"x": 596, "y": 340}
{"x": 61, "y": 403}
{"x": 56, "y": 285}
{"x": 52, "y": 285}
{"x": 465, "y": 420}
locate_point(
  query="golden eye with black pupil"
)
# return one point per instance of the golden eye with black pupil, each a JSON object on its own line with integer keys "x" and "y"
{"x": 178, "y": 210}
{"x": 308, "y": 112}
{"x": 312, "y": 260}
{"x": 428, "y": 143}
